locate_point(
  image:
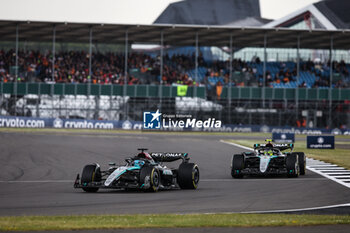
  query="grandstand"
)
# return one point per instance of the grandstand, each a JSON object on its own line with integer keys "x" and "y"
{"x": 51, "y": 82}
{"x": 179, "y": 69}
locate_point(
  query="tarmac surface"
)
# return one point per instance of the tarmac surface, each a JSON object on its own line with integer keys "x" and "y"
{"x": 38, "y": 170}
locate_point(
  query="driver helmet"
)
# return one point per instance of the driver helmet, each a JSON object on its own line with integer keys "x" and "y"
{"x": 144, "y": 155}
{"x": 269, "y": 143}
{"x": 139, "y": 163}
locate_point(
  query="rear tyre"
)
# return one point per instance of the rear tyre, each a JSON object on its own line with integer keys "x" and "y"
{"x": 237, "y": 165}
{"x": 188, "y": 176}
{"x": 154, "y": 178}
{"x": 91, "y": 173}
{"x": 292, "y": 165}
{"x": 302, "y": 162}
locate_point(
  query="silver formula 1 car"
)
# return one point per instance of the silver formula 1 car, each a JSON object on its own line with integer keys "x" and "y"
{"x": 269, "y": 159}
{"x": 145, "y": 171}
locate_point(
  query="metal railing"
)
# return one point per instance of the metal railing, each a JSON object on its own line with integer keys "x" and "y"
{"x": 144, "y": 91}
{"x": 152, "y": 91}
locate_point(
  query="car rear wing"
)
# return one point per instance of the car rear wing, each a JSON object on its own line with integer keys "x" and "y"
{"x": 281, "y": 147}
{"x": 169, "y": 156}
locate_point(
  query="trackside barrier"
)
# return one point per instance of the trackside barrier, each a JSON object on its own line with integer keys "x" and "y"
{"x": 283, "y": 137}
{"x": 140, "y": 91}
{"x": 320, "y": 142}
{"x": 146, "y": 91}
{"x": 31, "y": 122}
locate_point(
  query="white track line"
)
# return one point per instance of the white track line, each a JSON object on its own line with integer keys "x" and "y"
{"x": 260, "y": 179}
{"x": 330, "y": 169}
{"x": 295, "y": 210}
{"x": 335, "y": 173}
{"x": 324, "y": 165}
{"x": 288, "y": 210}
{"x": 237, "y": 145}
{"x": 333, "y": 170}
{"x": 314, "y": 165}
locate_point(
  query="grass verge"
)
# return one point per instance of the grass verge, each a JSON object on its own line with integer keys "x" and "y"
{"x": 41, "y": 223}
{"x": 338, "y": 156}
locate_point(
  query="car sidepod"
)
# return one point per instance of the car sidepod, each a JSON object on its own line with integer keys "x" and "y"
{"x": 120, "y": 173}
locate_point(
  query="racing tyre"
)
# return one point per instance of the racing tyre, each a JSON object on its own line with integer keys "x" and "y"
{"x": 153, "y": 175}
{"x": 292, "y": 165}
{"x": 237, "y": 165}
{"x": 91, "y": 173}
{"x": 188, "y": 176}
{"x": 302, "y": 162}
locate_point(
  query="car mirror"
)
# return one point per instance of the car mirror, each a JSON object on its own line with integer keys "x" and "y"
{"x": 128, "y": 160}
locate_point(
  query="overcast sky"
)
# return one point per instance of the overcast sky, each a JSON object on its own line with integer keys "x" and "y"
{"x": 117, "y": 11}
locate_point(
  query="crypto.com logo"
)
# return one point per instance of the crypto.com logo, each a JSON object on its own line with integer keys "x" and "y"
{"x": 152, "y": 120}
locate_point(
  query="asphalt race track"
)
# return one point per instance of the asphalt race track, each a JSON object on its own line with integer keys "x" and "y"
{"x": 38, "y": 170}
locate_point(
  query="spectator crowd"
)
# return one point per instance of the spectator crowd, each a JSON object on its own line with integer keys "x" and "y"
{"x": 108, "y": 68}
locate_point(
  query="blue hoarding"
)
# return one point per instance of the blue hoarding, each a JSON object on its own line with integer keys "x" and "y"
{"x": 320, "y": 142}
{"x": 283, "y": 137}
{"x": 33, "y": 122}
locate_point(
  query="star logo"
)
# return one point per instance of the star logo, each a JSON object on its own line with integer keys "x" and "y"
{"x": 156, "y": 115}
{"x": 152, "y": 120}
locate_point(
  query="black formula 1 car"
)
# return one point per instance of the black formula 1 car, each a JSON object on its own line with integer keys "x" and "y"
{"x": 145, "y": 171}
{"x": 268, "y": 159}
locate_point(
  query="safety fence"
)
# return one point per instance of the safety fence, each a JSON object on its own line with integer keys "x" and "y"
{"x": 145, "y": 91}
{"x": 152, "y": 91}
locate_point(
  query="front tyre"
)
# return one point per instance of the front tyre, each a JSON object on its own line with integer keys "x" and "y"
{"x": 292, "y": 165}
{"x": 302, "y": 162}
{"x": 91, "y": 173}
{"x": 188, "y": 176}
{"x": 237, "y": 165}
{"x": 150, "y": 178}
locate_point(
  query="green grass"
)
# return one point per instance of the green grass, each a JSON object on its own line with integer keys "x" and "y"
{"x": 41, "y": 223}
{"x": 340, "y": 157}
